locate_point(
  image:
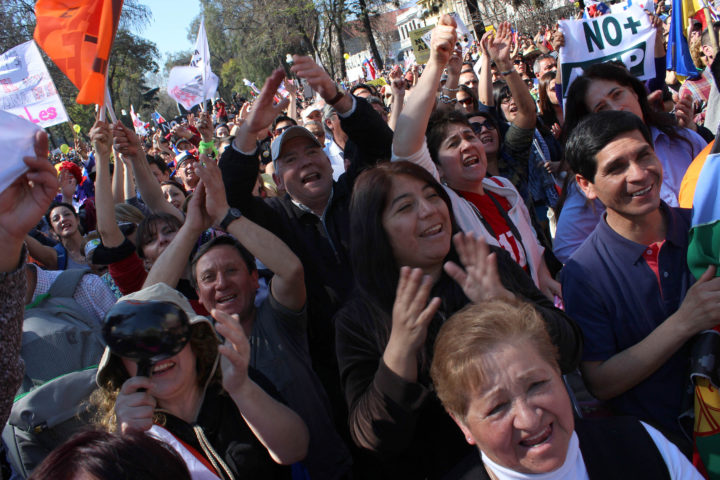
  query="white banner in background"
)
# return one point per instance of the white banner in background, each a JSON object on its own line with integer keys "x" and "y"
{"x": 26, "y": 88}
{"x": 627, "y": 36}
{"x": 195, "y": 83}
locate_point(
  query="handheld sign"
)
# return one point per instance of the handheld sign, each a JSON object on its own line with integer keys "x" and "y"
{"x": 627, "y": 36}
{"x": 421, "y": 47}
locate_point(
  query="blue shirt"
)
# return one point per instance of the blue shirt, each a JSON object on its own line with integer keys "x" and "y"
{"x": 614, "y": 296}
{"x": 676, "y": 155}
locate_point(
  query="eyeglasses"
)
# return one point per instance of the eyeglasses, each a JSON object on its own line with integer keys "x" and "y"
{"x": 280, "y": 130}
{"x": 477, "y": 126}
{"x": 517, "y": 62}
{"x": 506, "y": 100}
{"x": 466, "y": 101}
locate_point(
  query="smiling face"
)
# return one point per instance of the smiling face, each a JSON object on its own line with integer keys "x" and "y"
{"x": 462, "y": 158}
{"x": 174, "y": 380}
{"x": 417, "y": 223}
{"x": 487, "y": 133}
{"x": 304, "y": 171}
{"x": 509, "y": 108}
{"x": 223, "y": 281}
{"x": 628, "y": 177}
{"x": 609, "y": 95}
{"x": 63, "y": 221}
{"x": 520, "y": 416}
{"x": 187, "y": 174}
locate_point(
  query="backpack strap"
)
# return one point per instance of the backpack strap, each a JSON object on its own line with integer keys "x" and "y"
{"x": 66, "y": 283}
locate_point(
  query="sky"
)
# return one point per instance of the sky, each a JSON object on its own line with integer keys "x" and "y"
{"x": 168, "y": 29}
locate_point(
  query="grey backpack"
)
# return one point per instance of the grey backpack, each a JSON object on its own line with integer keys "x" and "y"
{"x": 61, "y": 347}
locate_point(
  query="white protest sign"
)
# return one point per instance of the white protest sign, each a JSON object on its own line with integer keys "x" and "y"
{"x": 17, "y": 136}
{"x": 26, "y": 88}
{"x": 627, "y": 36}
{"x": 192, "y": 84}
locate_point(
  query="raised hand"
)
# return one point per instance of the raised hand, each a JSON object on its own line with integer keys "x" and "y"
{"x": 125, "y": 141}
{"x": 498, "y": 46}
{"x": 215, "y": 200}
{"x": 134, "y": 408}
{"x": 305, "y": 67}
{"x": 685, "y": 111}
{"x": 397, "y": 82}
{"x": 235, "y": 351}
{"x": 443, "y": 40}
{"x": 26, "y": 200}
{"x": 198, "y": 218}
{"x": 102, "y": 139}
{"x": 263, "y": 110}
{"x": 205, "y": 126}
{"x": 479, "y": 280}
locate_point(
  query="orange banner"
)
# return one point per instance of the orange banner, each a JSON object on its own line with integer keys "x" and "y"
{"x": 78, "y": 35}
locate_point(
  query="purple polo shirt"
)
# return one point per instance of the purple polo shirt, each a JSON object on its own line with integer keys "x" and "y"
{"x": 614, "y": 296}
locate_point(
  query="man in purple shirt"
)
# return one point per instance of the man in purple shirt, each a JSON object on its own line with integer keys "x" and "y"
{"x": 628, "y": 286}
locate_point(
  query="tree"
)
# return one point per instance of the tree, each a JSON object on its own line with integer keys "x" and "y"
{"x": 130, "y": 59}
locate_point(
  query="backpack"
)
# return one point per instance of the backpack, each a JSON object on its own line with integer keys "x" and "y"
{"x": 61, "y": 347}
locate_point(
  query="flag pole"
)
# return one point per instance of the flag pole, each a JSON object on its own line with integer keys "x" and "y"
{"x": 711, "y": 29}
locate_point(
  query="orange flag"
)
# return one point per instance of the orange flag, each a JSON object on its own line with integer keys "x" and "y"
{"x": 78, "y": 35}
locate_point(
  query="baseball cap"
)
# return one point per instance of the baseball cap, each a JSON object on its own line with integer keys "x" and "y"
{"x": 287, "y": 135}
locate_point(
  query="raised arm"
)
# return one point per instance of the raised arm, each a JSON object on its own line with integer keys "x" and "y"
{"x": 485, "y": 88}
{"x": 22, "y": 205}
{"x": 110, "y": 234}
{"x": 172, "y": 262}
{"x": 410, "y": 129}
{"x": 397, "y": 86}
{"x": 278, "y": 428}
{"x": 498, "y": 47}
{"x": 118, "y": 180}
{"x": 127, "y": 144}
{"x": 288, "y": 283}
{"x": 261, "y": 115}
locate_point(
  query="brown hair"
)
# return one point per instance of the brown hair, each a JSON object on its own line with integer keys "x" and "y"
{"x": 458, "y": 367}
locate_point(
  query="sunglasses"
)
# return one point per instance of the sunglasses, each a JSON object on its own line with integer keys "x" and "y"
{"x": 466, "y": 101}
{"x": 517, "y": 62}
{"x": 477, "y": 126}
{"x": 280, "y": 130}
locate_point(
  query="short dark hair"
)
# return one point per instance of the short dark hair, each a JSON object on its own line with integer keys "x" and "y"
{"x": 369, "y": 88}
{"x": 113, "y": 456}
{"x": 282, "y": 118}
{"x": 594, "y": 132}
{"x": 540, "y": 58}
{"x": 149, "y": 226}
{"x": 54, "y": 205}
{"x": 247, "y": 257}
{"x": 438, "y": 126}
{"x": 159, "y": 163}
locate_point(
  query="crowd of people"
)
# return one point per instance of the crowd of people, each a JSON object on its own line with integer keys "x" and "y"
{"x": 442, "y": 277}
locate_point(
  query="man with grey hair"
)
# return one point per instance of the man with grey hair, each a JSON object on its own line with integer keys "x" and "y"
{"x": 313, "y": 217}
{"x": 543, "y": 64}
{"x": 334, "y": 141}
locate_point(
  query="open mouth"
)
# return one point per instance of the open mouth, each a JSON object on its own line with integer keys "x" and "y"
{"x": 434, "y": 230}
{"x": 225, "y": 299}
{"x": 642, "y": 192}
{"x": 310, "y": 178}
{"x": 485, "y": 139}
{"x": 538, "y": 439}
{"x": 470, "y": 161}
{"x": 162, "y": 367}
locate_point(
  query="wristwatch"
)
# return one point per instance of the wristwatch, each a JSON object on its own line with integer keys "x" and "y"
{"x": 231, "y": 215}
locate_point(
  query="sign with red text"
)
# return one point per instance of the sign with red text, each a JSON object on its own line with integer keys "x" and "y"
{"x": 26, "y": 88}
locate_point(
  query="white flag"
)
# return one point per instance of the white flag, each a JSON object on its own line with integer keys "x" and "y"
{"x": 195, "y": 83}
{"x": 137, "y": 123}
{"x": 27, "y": 88}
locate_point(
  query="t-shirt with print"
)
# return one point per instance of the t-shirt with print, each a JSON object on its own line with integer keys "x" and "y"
{"x": 500, "y": 228}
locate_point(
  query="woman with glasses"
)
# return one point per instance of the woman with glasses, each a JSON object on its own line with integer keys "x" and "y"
{"x": 466, "y": 99}
{"x": 458, "y": 152}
